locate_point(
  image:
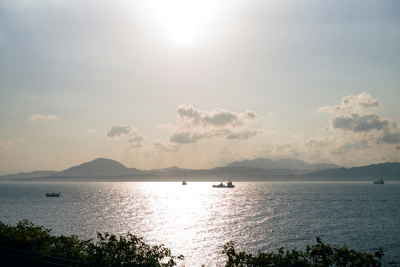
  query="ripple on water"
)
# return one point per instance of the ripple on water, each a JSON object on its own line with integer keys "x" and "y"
{"x": 197, "y": 220}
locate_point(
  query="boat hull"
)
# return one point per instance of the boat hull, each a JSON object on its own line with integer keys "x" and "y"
{"x": 52, "y": 194}
{"x": 218, "y": 186}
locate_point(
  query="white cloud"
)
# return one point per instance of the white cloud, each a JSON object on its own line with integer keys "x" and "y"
{"x": 182, "y": 136}
{"x": 362, "y": 122}
{"x": 361, "y": 131}
{"x": 134, "y": 138}
{"x": 217, "y": 118}
{"x": 246, "y": 134}
{"x": 35, "y": 117}
{"x": 345, "y": 149}
{"x": 361, "y": 102}
{"x": 364, "y": 137}
{"x": 201, "y": 124}
{"x": 391, "y": 138}
{"x": 118, "y": 130}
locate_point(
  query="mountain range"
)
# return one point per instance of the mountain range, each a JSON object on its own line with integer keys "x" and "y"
{"x": 290, "y": 164}
{"x": 260, "y": 169}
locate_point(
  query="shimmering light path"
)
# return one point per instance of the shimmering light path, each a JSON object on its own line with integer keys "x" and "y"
{"x": 197, "y": 220}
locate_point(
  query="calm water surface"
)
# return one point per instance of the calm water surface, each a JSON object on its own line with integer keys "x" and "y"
{"x": 197, "y": 220}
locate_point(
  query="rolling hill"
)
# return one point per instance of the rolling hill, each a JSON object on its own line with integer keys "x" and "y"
{"x": 102, "y": 169}
{"x": 100, "y": 166}
{"x": 288, "y": 164}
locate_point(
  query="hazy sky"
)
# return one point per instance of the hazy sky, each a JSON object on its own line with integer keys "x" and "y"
{"x": 198, "y": 84}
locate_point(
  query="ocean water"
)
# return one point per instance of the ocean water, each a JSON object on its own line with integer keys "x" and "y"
{"x": 196, "y": 220}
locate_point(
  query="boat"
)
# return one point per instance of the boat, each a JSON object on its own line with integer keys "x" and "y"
{"x": 222, "y": 185}
{"x": 184, "y": 183}
{"x": 379, "y": 182}
{"x": 230, "y": 185}
{"x": 52, "y": 194}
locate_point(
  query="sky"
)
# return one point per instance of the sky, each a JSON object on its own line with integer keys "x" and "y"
{"x": 198, "y": 84}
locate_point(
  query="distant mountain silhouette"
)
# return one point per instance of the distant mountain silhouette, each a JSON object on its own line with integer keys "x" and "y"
{"x": 256, "y": 163}
{"x": 289, "y": 164}
{"x": 28, "y": 174}
{"x": 173, "y": 168}
{"x": 382, "y": 170}
{"x": 107, "y": 170}
{"x": 100, "y": 166}
{"x": 251, "y": 172}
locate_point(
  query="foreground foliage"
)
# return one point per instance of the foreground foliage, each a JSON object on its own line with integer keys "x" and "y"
{"x": 317, "y": 255}
{"x": 130, "y": 250}
{"x": 108, "y": 250}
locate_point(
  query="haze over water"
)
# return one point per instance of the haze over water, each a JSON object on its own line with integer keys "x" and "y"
{"x": 197, "y": 220}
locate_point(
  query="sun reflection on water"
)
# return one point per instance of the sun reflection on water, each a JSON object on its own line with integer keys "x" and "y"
{"x": 190, "y": 218}
{"x": 196, "y": 220}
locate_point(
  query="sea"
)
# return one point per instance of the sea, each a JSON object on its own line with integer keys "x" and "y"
{"x": 196, "y": 220}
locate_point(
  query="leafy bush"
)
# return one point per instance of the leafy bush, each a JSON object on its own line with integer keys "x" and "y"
{"x": 109, "y": 250}
{"x": 130, "y": 250}
{"x": 317, "y": 255}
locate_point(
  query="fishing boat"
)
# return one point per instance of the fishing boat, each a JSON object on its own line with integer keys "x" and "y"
{"x": 222, "y": 185}
{"x": 184, "y": 183}
{"x": 379, "y": 182}
{"x": 52, "y": 194}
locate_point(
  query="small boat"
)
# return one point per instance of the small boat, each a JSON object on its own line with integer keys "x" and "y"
{"x": 184, "y": 183}
{"x": 221, "y": 185}
{"x": 52, "y": 194}
{"x": 230, "y": 185}
{"x": 379, "y": 182}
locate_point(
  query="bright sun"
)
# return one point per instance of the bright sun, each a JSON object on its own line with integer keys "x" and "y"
{"x": 183, "y": 22}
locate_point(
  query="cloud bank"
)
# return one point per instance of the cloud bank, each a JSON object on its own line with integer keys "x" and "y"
{"x": 356, "y": 137}
{"x": 246, "y": 134}
{"x": 217, "y": 118}
{"x": 366, "y": 127}
{"x": 361, "y": 102}
{"x": 198, "y": 125}
{"x": 134, "y": 138}
{"x": 361, "y": 122}
{"x": 118, "y": 130}
{"x": 360, "y": 137}
{"x": 36, "y": 117}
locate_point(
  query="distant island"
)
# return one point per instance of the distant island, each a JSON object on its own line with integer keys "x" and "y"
{"x": 107, "y": 170}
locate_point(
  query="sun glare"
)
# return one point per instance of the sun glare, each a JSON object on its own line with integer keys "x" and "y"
{"x": 183, "y": 23}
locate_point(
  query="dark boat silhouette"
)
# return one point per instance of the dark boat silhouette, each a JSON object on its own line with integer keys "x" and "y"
{"x": 379, "y": 182}
{"x": 52, "y": 194}
{"x": 221, "y": 185}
